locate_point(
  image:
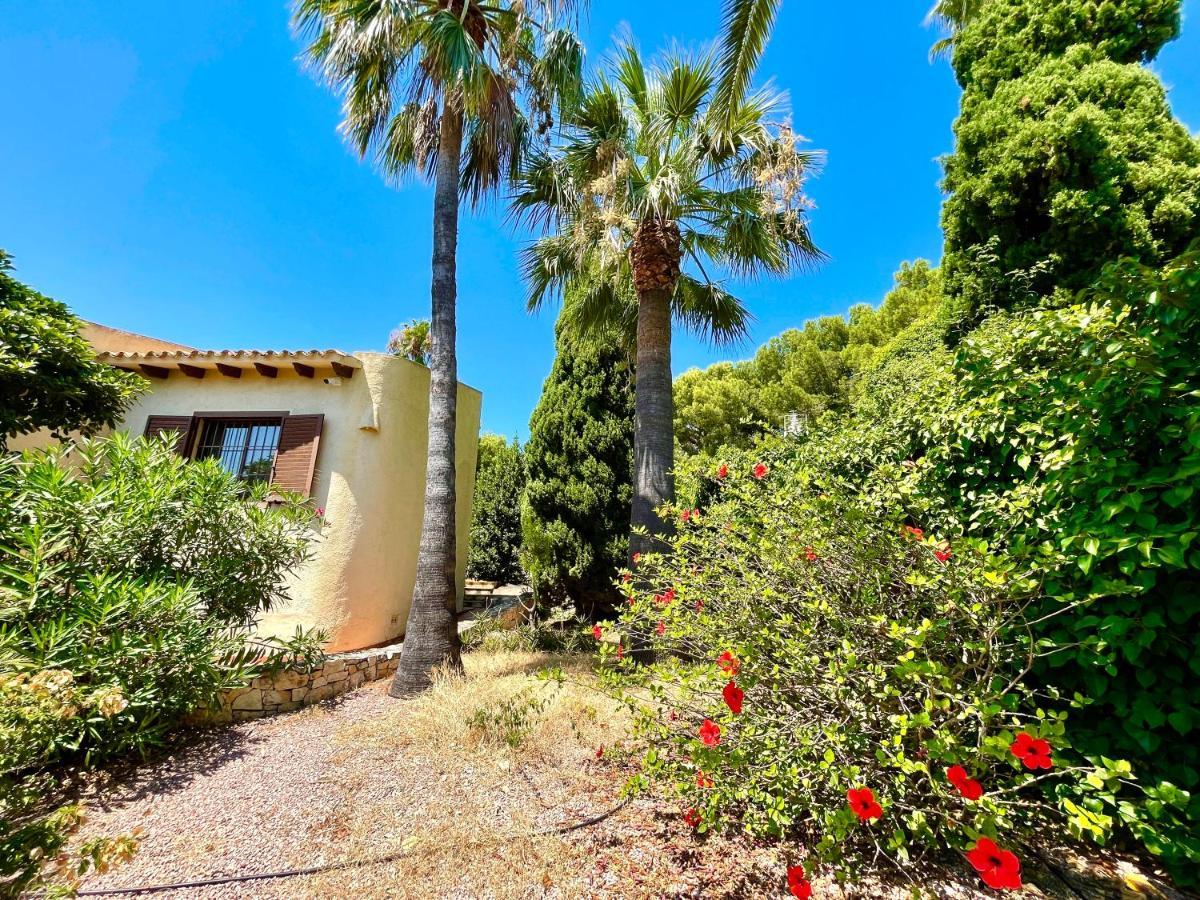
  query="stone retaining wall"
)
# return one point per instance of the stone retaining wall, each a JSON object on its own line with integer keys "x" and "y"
{"x": 291, "y": 689}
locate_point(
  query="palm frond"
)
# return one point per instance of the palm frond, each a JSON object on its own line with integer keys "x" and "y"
{"x": 710, "y": 312}
{"x": 745, "y": 27}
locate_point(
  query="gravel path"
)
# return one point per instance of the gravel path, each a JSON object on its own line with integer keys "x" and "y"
{"x": 248, "y": 798}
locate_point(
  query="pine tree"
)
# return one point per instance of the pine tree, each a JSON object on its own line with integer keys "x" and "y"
{"x": 579, "y": 463}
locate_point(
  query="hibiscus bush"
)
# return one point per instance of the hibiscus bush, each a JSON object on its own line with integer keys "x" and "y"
{"x": 823, "y": 671}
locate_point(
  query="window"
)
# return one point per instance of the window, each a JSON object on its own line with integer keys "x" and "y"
{"x": 246, "y": 447}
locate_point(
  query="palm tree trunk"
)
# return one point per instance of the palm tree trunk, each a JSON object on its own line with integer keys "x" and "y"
{"x": 654, "y": 421}
{"x": 431, "y": 636}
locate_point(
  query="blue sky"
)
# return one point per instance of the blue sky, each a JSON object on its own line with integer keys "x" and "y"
{"x": 171, "y": 169}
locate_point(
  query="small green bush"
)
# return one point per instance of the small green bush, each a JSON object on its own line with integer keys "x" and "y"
{"x": 806, "y": 646}
{"x": 127, "y": 581}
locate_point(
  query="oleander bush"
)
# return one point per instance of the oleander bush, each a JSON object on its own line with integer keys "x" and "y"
{"x": 128, "y": 580}
{"x": 824, "y": 670}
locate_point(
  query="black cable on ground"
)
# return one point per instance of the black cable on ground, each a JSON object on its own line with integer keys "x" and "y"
{"x": 328, "y": 867}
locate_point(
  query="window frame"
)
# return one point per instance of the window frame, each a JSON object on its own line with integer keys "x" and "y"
{"x": 202, "y": 419}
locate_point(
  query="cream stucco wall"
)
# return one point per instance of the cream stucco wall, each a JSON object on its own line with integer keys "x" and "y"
{"x": 370, "y": 478}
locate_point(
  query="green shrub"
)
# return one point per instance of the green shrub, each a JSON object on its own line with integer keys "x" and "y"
{"x": 135, "y": 508}
{"x": 859, "y": 653}
{"x": 496, "y": 516}
{"x": 127, "y": 580}
{"x": 1072, "y": 439}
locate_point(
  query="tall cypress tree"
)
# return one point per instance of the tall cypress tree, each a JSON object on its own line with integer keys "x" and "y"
{"x": 1067, "y": 155}
{"x": 579, "y": 464}
{"x": 496, "y": 515}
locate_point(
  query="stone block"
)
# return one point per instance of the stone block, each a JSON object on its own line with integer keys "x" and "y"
{"x": 319, "y": 681}
{"x": 274, "y": 698}
{"x": 245, "y": 715}
{"x": 288, "y": 679}
{"x": 333, "y": 667}
{"x": 298, "y": 694}
{"x": 249, "y": 699}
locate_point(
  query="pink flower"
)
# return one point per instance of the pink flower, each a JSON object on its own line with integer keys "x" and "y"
{"x": 320, "y": 511}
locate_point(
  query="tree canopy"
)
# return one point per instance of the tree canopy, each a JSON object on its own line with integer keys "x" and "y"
{"x": 801, "y": 373}
{"x": 49, "y": 376}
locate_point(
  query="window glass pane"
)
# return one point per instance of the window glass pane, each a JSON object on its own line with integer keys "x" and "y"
{"x": 244, "y": 447}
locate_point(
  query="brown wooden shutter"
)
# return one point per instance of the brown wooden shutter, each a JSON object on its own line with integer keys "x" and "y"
{"x": 297, "y": 457}
{"x": 181, "y": 425}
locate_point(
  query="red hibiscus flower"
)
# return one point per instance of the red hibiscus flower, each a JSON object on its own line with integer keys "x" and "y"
{"x": 914, "y": 531}
{"x": 733, "y": 697}
{"x": 692, "y": 817}
{"x": 723, "y": 472}
{"x": 810, "y": 554}
{"x": 660, "y": 628}
{"x": 967, "y": 786}
{"x": 597, "y": 632}
{"x": 942, "y": 555}
{"x": 760, "y": 471}
{"x": 620, "y": 651}
{"x": 703, "y": 781}
{"x": 728, "y": 663}
{"x": 999, "y": 869}
{"x": 862, "y": 801}
{"x": 699, "y": 605}
{"x": 710, "y": 733}
{"x": 626, "y": 578}
{"x": 674, "y": 715}
{"x": 668, "y": 595}
{"x": 636, "y": 557}
{"x": 1033, "y": 752}
{"x": 600, "y": 751}
{"x": 797, "y": 883}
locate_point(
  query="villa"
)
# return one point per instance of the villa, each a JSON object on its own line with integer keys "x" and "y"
{"x": 347, "y": 430}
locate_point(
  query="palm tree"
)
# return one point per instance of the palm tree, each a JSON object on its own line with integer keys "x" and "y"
{"x": 952, "y": 16}
{"x": 444, "y": 89}
{"x": 666, "y": 178}
{"x": 412, "y": 342}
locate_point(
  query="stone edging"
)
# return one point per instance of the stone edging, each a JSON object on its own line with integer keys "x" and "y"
{"x": 292, "y": 689}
